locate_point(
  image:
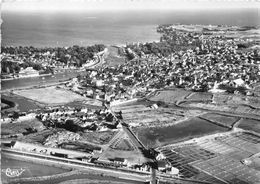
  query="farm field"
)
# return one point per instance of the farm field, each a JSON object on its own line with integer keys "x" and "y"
{"x": 99, "y": 138}
{"x": 38, "y": 137}
{"x": 250, "y": 124}
{"x": 23, "y": 104}
{"x": 200, "y": 96}
{"x": 21, "y": 127}
{"x": 221, "y": 119}
{"x": 188, "y": 129}
{"x": 170, "y": 96}
{"x": 50, "y": 95}
{"x": 216, "y": 159}
{"x": 113, "y": 58}
{"x": 231, "y": 108}
{"x": 229, "y": 99}
{"x": 146, "y": 116}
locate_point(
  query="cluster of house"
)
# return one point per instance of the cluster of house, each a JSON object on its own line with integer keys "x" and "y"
{"x": 43, "y": 60}
{"x": 109, "y": 85}
{"x": 216, "y": 63}
{"x": 60, "y": 137}
{"x": 76, "y": 119}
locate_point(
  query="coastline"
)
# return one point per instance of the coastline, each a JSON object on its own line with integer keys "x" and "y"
{"x": 41, "y": 75}
{"x": 35, "y": 86}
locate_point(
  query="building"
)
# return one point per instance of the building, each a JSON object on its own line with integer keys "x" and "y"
{"x": 34, "y": 148}
{"x": 28, "y": 72}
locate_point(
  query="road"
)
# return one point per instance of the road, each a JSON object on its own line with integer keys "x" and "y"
{"x": 100, "y": 58}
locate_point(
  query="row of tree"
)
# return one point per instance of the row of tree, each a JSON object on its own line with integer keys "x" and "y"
{"x": 74, "y": 50}
{"x": 79, "y": 55}
{"x": 75, "y": 55}
{"x": 15, "y": 67}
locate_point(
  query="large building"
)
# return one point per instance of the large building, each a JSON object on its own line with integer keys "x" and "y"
{"x": 28, "y": 72}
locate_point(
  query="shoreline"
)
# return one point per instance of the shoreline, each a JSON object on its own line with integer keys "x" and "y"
{"x": 100, "y": 60}
{"x": 34, "y": 86}
{"x": 25, "y": 77}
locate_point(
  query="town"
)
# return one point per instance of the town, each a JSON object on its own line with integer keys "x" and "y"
{"x": 110, "y": 115}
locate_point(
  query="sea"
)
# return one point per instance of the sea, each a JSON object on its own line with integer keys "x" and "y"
{"x": 53, "y": 29}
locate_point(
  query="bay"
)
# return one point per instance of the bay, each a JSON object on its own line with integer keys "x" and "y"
{"x": 43, "y": 29}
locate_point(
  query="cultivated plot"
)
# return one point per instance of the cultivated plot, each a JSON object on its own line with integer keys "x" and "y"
{"x": 50, "y": 95}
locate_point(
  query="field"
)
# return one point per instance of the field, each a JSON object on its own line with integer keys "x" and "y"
{"x": 169, "y": 96}
{"x": 113, "y": 59}
{"x": 5, "y": 104}
{"x": 31, "y": 169}
{"x": 50, "y": 95}
{"x": 194, "y": 127}
{"x": 233, "y": 108}
{"x": 21, "y": 127}
{"x": 141, "y": 115}
{"x": 216, "y": 159}
{"x": 200, "y": 96}
{"x": 221, "y": 119}
{"x": 99, "y": 138}
{"x": 79, "y": 146}
{"x": 64, "y": 177}
{"x": 223, "y": 102}
{"x": 23, "y": 104}
{"x": 250, "y": 124}
{"x": 88, "y": 181}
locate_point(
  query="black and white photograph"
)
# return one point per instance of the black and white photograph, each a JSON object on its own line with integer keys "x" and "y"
{"x": 130, "y": 92}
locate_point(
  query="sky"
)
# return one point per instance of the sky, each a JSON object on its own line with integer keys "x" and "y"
{"x": 78, "y": 5}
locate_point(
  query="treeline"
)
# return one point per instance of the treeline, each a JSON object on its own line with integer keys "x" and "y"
{"x": 79, "y": 55}
{"x": 15, "y": 67}
{"x": 9, "y": 67}
{"x": 74, "y": 55}
{"x": 74, "y": 50}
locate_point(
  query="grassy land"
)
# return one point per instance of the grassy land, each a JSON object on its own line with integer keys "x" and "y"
{"x": 20, "y": 127}
{"x": 250, "y": 124}
{"x": 194, "y": 127}
{"x": 113, "y": 58}
{"x": 200, "y": 96}
{"x": 99, "y": 138}
{"x": 88, "y": 181}
{"x": 38, "y": 137}
{"x": 225, "y": 120}
{"x": 18, "y": 103}
{"x": 50, "y": 95}
{"x": 31, "y": 169}
{"x": 170, "y": 96}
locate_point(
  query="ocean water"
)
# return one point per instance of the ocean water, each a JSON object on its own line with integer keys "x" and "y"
{"x": 43, "y": 29}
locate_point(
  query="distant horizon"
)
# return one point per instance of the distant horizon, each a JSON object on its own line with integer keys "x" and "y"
{"x": 103, "y": 27}
{"x": 122, "y": 5}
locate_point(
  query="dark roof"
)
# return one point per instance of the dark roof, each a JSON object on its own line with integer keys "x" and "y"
{"x": 119, "y": 159}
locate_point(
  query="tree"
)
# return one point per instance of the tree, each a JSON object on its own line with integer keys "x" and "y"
{"x": 15, "y": 115}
